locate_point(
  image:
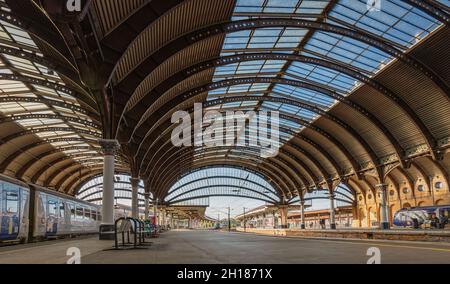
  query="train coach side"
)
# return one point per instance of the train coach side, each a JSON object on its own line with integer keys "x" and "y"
{"x": 57, "y": 214}
{"x": 14, "y": 210}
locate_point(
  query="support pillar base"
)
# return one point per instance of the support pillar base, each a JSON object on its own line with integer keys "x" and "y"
{"x": 106, "y": 232}
{"x": 385, "y": 226}
{"x": 303, "y": 226}
{"x": 333, "y": 226}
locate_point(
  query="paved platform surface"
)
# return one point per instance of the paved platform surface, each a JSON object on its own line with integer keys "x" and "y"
{"x": 211, "y": 247}
{"x": 50, "y": 252}
{"x": 203, "y": 247}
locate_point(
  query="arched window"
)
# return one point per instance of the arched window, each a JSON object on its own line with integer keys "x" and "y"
{"x": 222, "y": 182}
{"x": 92, "y": 191}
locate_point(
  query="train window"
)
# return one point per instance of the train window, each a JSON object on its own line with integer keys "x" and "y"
{"x": 62, "y": 210}
{"x": 80, "y": 213}
{"x": 87, "y": 213}
{"x": 12, "y": 202}
{"x": 72, "y": 212}
{"x": 52, "y": 206}
{"x": 446, "y": 213}
{"x": 99, "y": 217}
{"x": 94, "y": 215}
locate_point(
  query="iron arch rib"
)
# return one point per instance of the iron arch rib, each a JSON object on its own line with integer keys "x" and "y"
{"x": 251, "y": 170}
{"x": 273, "y": 179}
{"x": 187, "y": 155}
{"x": 268, "y": 198}
{"x": 172, "y": 190}
{"x": 286, "y": 178}
{"x": 153, "y": 60}
{"x": 312, "y": 108}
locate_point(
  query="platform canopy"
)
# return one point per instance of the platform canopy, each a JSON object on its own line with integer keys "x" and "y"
{"x": 362, "y": 89}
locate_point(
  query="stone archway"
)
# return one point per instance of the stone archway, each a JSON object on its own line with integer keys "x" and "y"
{"x": 371, "y": 216}
{"x": 392, "y": 212}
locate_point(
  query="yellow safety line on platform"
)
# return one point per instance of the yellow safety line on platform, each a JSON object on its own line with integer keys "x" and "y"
{"x": 387, "y": 245}
{"x": 356, "y": 242}
{"x": 375, "y": 244}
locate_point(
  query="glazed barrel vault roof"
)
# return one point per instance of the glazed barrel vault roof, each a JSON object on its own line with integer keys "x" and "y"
{"x": 363, "y": 94}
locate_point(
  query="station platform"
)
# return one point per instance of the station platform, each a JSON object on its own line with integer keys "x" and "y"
{"x": 359, "y": 234}
{"x": 214, "y": 247}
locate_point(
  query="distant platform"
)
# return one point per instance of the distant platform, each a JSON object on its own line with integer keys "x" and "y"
{"x": 363, "y": 234}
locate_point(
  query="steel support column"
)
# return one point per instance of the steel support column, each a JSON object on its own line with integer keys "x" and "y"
{"x": 147, "y": 205}
{"x": 155, "y": 211}
{"x": 302, "y": 216}
{"x": 384, "y": 213}
{"x": 332, "y": 212}
{"x": 283, "y": 209}
{"x": 109, "y": 148}
{"x": 134, "y": 197}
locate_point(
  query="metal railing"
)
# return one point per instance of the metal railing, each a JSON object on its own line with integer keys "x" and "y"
{"x": 125, "y": 227}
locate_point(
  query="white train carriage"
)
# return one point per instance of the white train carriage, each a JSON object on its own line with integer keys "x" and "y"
{"x": 57, "y": 214}
{"x": 33, "y": 212}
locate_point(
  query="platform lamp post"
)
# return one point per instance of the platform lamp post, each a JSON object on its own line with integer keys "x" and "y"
{"x": 218, "y": 220}
{"x": 147, "y": 205}
{"x": 155, "y": 210}
{"x": 245, "y": 221}
{"x": 229, "y": 219}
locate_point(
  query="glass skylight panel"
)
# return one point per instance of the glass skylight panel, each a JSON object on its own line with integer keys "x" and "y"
{"x": 8, "y": 86}
{"x": 261, "y": 7}
{"x": 312, "y": 6}
{"x": 17, "y": 38}
{"x": 322, "y": 75}
{"x": 348, "y": 50}
{"x": 14, "y": 108}
{"x": 265, "y": 39}
{"x": 249, "y": 103}
{"x": 21, "y": 63}
{"x": 397, "y": 21}
{"x": 444, "y": 2}
{"x": 304, "y": 95}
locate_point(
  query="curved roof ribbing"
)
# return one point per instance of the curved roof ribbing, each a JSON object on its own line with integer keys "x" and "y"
{"x": 362, "y": 94}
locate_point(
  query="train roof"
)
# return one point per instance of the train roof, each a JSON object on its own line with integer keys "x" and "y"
{"x": 14, "y": 181}
{"x": 61, "y": 195}
{"x": 425, "y": 207}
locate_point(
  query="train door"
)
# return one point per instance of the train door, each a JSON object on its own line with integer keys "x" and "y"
{"x": 40, "y": 214}
{"x": 52, "y": 216}
{"x": 63, "y": 225}
{"x": 24, "y": 212}
{"x": 10, "y": 222}
{"x": 72, "y": 217}
{"x": 446, "y": 214}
